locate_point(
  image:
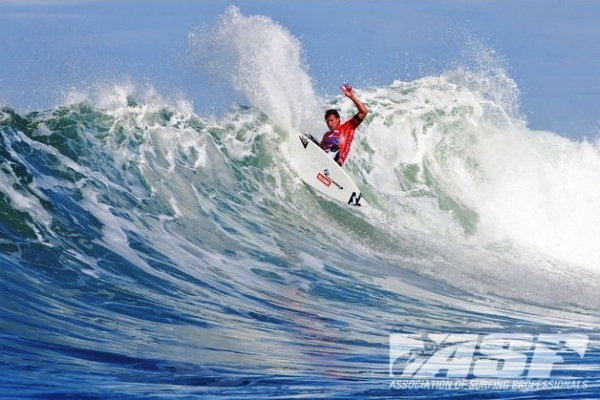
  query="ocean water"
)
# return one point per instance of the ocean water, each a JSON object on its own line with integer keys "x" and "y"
{"x": 148, "y": 251}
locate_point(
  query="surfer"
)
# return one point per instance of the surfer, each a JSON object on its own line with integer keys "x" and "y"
{"x": 336, "y": 142}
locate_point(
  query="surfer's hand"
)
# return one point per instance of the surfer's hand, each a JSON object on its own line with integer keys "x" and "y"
{"x": 347, "y": 90}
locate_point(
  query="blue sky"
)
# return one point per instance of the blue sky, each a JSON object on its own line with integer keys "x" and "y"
{"x": 551, "y": 48}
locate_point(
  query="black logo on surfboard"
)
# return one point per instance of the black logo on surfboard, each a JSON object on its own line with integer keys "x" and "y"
{"x": 326, "y": 172}
{"x": 306, "y": 137}
{"x": 355, "y": 199}
{"x": 304, "y": 141}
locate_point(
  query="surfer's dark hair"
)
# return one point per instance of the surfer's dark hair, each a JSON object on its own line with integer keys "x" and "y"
{"x": 332, "y": 111}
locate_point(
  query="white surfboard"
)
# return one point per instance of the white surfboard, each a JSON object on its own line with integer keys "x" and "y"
{"x": 323, "y": 174}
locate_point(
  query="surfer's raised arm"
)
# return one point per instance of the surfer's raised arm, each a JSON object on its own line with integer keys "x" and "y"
{"x": 349, "y": 93}
{"x": 336, "y": 142}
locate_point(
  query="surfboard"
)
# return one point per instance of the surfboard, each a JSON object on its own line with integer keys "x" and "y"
{"x": 323, "y": 174}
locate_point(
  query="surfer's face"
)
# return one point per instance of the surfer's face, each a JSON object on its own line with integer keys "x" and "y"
{"x": 332, "y": 122}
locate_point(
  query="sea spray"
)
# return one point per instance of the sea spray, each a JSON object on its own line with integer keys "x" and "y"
{"x": 261, "y": 60}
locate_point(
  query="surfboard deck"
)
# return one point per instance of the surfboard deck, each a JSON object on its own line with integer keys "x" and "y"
{"x": 323, "y": 174}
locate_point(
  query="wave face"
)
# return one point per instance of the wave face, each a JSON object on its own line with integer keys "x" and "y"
{"x": 150, "y": 251}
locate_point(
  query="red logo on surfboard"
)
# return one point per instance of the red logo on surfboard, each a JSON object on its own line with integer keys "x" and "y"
{"x": 324, "y": 180}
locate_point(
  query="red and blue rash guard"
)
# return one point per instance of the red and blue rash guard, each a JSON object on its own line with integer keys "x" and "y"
{"x": 336, "y": 143}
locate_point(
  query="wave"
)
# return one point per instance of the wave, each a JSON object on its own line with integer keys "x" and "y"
{"x": 140, "y": 236}
{"x": 442, "y": 166}
{"x": 447, "y": 154}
